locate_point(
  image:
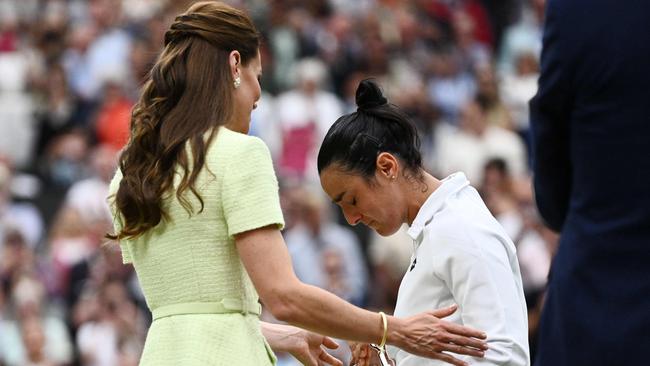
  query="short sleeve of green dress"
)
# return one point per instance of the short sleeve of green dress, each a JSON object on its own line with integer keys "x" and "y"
{"x": 250, "y": 190}
{"x": 203, "y": 302}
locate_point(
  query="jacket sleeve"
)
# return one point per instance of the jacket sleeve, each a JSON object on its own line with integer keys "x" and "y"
{"x": 550, "y": 115}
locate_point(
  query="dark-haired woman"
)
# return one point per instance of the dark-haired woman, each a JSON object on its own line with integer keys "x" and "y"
{"x": 197, "y": 212}
{"x": 370, "y": 165}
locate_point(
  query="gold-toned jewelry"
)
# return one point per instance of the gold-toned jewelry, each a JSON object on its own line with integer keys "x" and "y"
{"x": 381, "y": 348}
{"x": 384, "y": 322}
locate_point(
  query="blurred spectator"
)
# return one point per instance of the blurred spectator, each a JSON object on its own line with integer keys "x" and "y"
{"x": 76, "y": 61}
{"x": 114, "y": 333}
{"x": 498, "y": 193}
{"x": 16, "y": 258}
{"x": 284, "y": 40}
{"x": 305, "y": 114}
{"x": 488, "y": 96}
{"x": 114, "y": 116}
{"x": 264, "y": 124}
{"x": 87, "y": 196}
{"x": 32, "y": 334}
{"x": 64, "y": 162}
{"x": 69, "y": 244}
{"x": 468, "y": 148}
{"x": 451, "y": 86}
{"x": 443, "y": 10}
{"x": 473, "y": 53}
{"x": 518, "y": 88}
{"x": 523, "y": 37}
{"x": 22, "y": 217}
{"x": 58, "y": 111}
{"x": 17, "y": 127}
{"x": 33, "y": 337}
{"x": 323, "y": 253}
{"x": 516, "y": 213}
{"x": 107, "y": 57}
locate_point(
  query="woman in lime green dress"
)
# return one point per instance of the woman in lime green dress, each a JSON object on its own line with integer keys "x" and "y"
{"x": 196, "y": 210}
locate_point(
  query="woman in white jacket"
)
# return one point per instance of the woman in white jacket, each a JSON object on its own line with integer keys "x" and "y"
{"x": 370, "y": 165}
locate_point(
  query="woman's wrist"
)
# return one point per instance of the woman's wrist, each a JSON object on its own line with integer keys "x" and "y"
{"x": 294, "y": 339}
{"x": 283, "y": 338}
{"x": 395, "y": 331}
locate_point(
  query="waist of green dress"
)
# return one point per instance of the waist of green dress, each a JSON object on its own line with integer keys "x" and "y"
{"x": 225, "y": 306}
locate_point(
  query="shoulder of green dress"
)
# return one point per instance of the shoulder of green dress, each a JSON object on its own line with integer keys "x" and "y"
{"x": 239, "y": 145}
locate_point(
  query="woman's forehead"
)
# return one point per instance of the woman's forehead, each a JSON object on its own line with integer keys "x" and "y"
{"x": 336, "y": 180}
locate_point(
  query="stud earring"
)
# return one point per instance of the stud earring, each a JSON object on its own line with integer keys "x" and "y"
{"x": 237, "y": 82}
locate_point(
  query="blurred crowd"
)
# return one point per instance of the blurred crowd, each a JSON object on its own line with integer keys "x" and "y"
{"x": 70, "y": 71}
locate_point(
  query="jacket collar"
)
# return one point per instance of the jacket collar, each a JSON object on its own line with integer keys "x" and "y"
{"x": 435, "y": 202}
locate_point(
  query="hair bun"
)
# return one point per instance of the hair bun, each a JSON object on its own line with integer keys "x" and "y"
{"x": 369, "y": 95}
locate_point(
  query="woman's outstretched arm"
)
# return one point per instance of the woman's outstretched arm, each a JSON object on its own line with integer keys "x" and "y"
{"x": 265, "y": 257}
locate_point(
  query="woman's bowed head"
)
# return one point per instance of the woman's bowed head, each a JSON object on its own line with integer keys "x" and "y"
{"x": 370, "y": 164}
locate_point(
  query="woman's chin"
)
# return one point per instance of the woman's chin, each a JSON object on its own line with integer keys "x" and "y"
{"x": 384, "y": 230}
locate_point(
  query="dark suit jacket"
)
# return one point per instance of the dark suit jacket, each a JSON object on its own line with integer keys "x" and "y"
{"x": 590, "y": 124}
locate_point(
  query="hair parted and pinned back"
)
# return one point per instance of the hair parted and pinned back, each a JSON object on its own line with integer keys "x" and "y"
{"x": 355, "y": 140}
{"x": 188, "y": 93}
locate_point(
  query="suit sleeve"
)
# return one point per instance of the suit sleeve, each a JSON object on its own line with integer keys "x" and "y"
{"x": 550, "y": 113}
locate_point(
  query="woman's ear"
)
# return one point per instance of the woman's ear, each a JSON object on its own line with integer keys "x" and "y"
{"x": 235, "y": 62}
{"x": 387, "y": 166}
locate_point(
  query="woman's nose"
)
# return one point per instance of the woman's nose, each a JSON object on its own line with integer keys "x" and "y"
{"x": 352, "y": 217}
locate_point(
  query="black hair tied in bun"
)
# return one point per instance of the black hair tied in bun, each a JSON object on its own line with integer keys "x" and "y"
{"x": 356, "y": 139}
{"x": 369, "y": 95}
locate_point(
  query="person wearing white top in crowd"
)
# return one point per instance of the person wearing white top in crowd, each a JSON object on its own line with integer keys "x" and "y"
{"x": 474, "y": 143}
{"x": 370, "y": 165}
{"x": 304, "y": 114}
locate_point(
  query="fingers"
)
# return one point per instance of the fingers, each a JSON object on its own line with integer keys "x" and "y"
{"x": 445, "y": 312}
{"x": 364, "y": 355}
{"x": 329, "y": 343}
{"x": 356, "y": 351}
{"x": 467, "y": 342}
{"x": 364, "y": 351}
{"x": 450, "y": 359}
{"x": 464, "y": 331}
{"x": 455, "y": 348}
{"x": 352, "y": 345}
{"x": 329, "y": 359}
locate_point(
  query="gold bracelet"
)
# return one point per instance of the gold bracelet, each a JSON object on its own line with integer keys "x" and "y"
{"x": 385, "y": 324}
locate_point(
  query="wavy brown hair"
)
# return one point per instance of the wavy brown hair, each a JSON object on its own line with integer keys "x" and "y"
{"x": 189, "y": 91}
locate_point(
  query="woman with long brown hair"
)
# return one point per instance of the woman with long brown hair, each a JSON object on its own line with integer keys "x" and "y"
{"x": 196, "y": 210}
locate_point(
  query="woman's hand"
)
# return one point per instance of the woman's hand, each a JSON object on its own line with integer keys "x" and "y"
{"x": 428, "y": 336}
{"x": 309, "y": 349}
{"x": 364, "y": 355}
{"x": 361, "y": 355}
{"x": 305, "y": 346}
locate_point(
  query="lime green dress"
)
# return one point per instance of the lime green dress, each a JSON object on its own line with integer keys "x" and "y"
{"x": 204, "y": 305}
